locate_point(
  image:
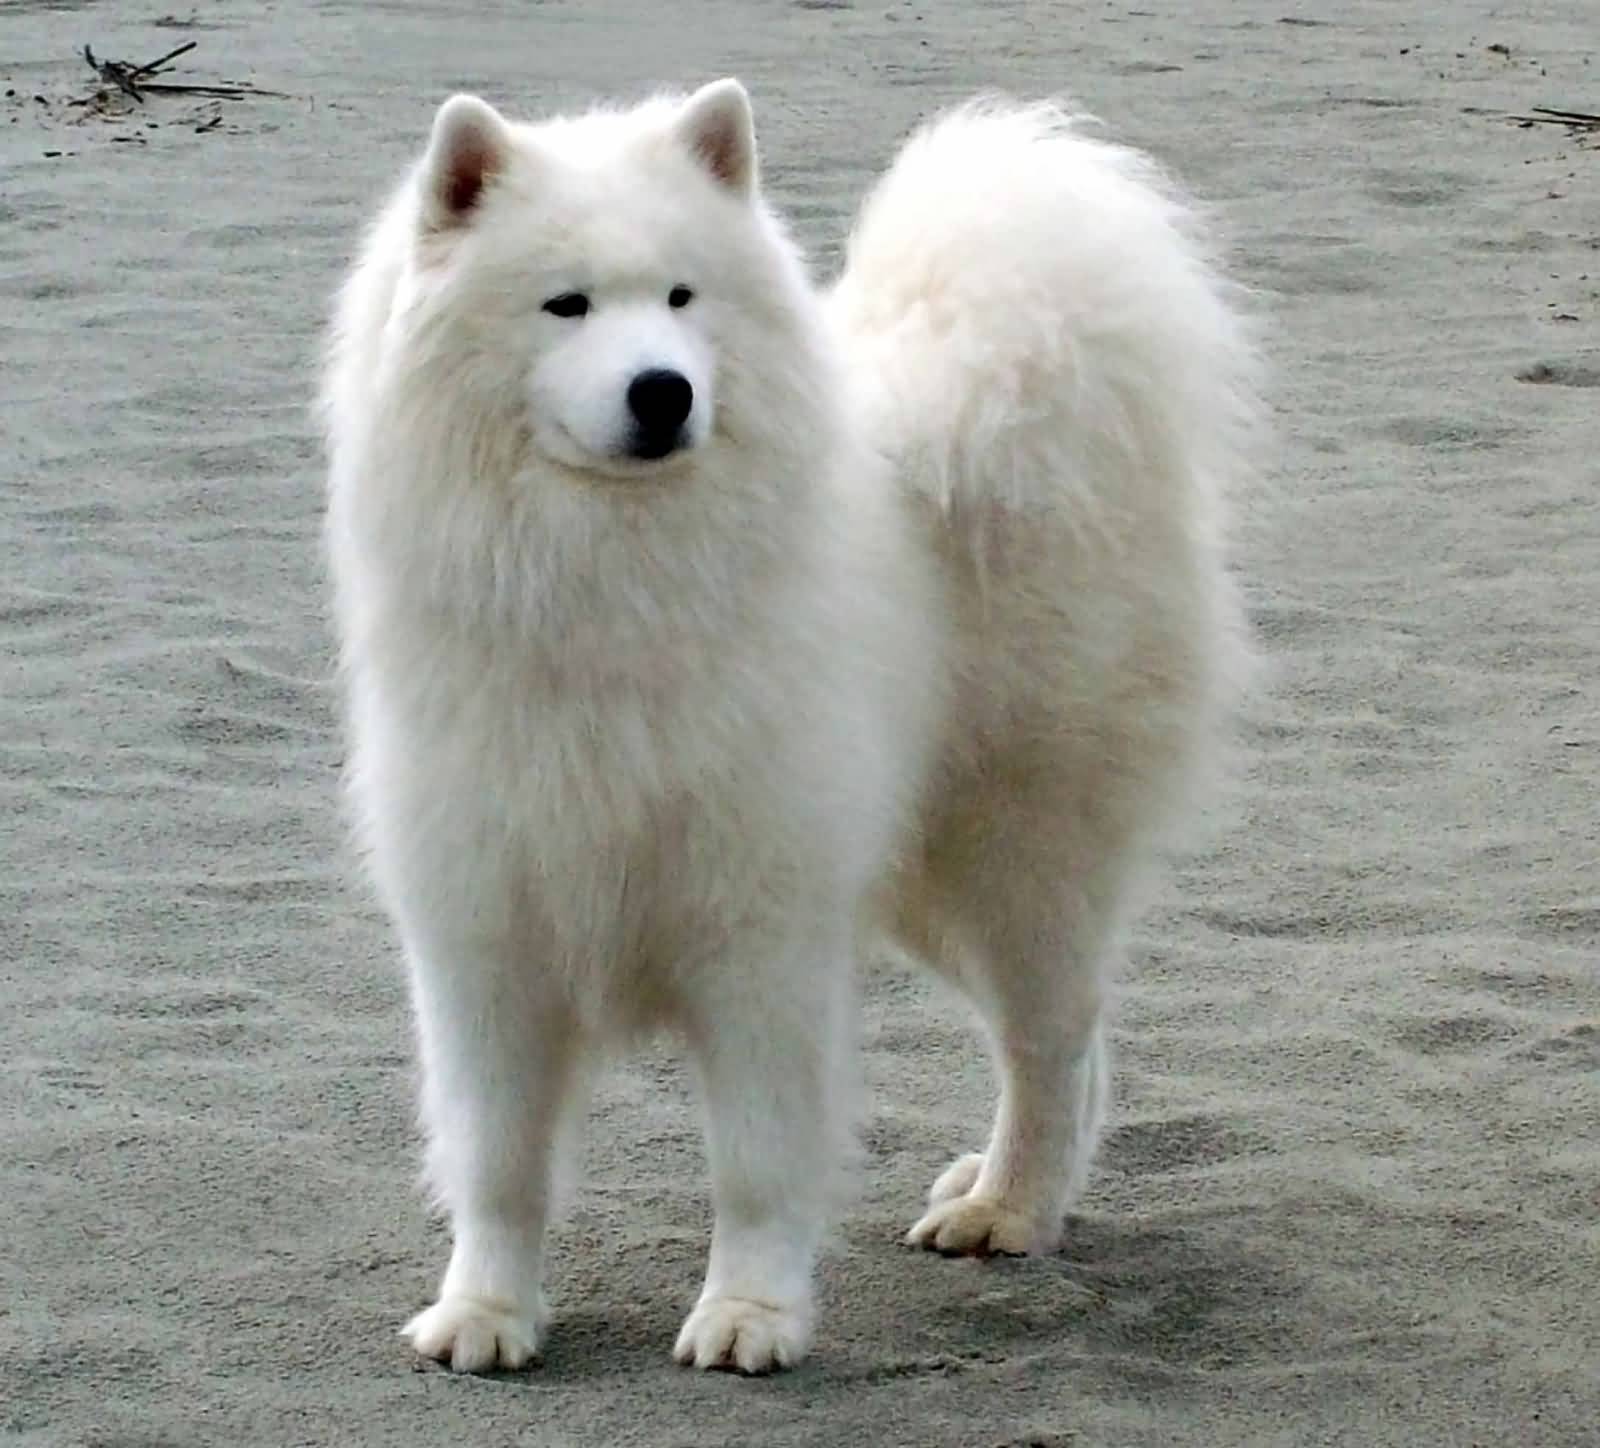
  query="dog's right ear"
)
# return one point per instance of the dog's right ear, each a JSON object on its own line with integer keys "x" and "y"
{"x": 470, "y": 146}
{"x": 717, "y": 126}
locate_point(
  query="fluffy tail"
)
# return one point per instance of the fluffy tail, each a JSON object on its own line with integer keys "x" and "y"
{"x": 1036, "y": 320}
{"x": 1042, "y": 344}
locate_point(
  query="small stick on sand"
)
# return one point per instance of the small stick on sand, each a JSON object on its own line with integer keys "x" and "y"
{"x": 156, "y": 65}
{"x": 133, "y": 79}
{"x": 1576, "y": 118}
{"x": 114, "y": 72}
{"x": 227, "y": 92}
{"x": 1572, "y": 120}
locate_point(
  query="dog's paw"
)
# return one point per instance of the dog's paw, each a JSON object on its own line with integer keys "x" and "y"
{"x": 748, "y": 1337}
{"x": 957, "y": 1179}
{"x": 969, "y": 1226}
{"x": 475, "y": 1335}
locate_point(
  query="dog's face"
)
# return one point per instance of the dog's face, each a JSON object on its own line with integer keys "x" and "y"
{"x": 595, "y": 273}
{"x": 623, "y": 375}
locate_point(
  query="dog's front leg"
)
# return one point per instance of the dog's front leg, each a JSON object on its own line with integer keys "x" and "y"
{"x": 768, "y": 1035}
{"x": 500, "y": 1060}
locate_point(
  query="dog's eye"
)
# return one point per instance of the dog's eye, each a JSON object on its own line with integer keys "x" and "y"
{"x": 679, "y": 297}
{"x": 568, "y": 304}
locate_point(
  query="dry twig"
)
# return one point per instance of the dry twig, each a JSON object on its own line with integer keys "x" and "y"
{"x": 1549, "y": 116}
{"x": 134, "y": 80}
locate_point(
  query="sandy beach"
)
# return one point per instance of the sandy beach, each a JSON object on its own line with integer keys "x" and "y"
{"x": 1351, "y": 1189}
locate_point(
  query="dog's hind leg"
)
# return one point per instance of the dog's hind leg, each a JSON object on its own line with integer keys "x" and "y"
{"x": 1038, "y": 938}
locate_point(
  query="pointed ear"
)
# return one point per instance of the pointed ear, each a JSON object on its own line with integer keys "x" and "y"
{"x": 717, "y": 126}
{"x": 471, "y": 144}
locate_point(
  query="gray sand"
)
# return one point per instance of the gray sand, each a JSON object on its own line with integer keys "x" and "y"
{"x": 1350, "y": 1194}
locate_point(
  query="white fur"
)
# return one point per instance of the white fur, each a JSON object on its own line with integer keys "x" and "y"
{"x": 926, "y": 627}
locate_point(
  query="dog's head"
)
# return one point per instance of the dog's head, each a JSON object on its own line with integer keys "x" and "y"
{"x": 602, "y": 274}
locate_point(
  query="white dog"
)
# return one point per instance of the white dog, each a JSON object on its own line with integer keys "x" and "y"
{"x": 695, "y": 622}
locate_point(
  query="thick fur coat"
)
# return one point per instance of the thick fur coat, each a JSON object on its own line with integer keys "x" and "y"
{"x": 697, "y": 624}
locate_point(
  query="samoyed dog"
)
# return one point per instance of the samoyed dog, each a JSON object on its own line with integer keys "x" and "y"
{"x": 701, "y": 627}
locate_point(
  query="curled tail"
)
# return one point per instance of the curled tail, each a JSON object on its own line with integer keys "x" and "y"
{"x": 1036, "y": 318}
{"x": 1041, "y": 343}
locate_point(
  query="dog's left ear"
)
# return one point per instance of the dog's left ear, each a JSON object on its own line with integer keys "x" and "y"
{"x": 717, "y": 125}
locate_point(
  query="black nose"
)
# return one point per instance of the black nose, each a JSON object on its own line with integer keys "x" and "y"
{"x": 659, "y": 401}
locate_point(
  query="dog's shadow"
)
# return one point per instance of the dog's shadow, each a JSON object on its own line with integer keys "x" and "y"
{"x": 1161, "y": 1292}
{"x": 1185, "y": 1290}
